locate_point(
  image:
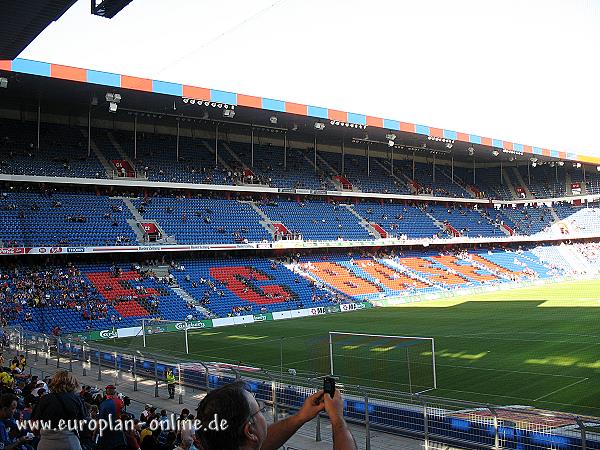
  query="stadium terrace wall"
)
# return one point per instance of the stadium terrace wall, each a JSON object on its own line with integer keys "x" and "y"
{"x": 271, "y": 190}
{"x": 81, "y": 75}
{"x": 152, "y": 328}
{"x": 296, "y": 245}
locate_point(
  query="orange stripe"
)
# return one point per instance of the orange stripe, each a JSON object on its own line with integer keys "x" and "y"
{"x": 249, "y": 100}
{"x": 138, "y": 84}
{"x": 507, "y": 145}
{"x": 436, "y": 132}
{"x": 407, "y": 126}
{"x": 68, "y": 73}
{"x": 527, "y": 149}
{"x": 486, "y": 141}
{"x": 296, "y": 108}
{"x": 462, "y": 137}
{"x": 5, "y": 64}
{"x": 338, "y": 115}
{"x": 375, "y": 121}
{"x": 196, "y": 92}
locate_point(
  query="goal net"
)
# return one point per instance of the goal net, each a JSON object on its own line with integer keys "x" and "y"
{"x": 399, "y": 363}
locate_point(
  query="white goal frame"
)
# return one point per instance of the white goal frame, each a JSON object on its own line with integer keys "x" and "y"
{"x": 430, "y": 339}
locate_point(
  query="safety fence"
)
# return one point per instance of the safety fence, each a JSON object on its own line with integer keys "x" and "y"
{"x": 455, "y": 423}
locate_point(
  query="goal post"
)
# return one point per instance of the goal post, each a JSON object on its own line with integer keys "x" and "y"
{"x": 402, "y": 363}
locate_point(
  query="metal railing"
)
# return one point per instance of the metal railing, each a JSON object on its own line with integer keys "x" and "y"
{"x": 432, "y": 419}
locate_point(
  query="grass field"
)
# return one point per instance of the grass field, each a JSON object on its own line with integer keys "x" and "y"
{"x": 535, "y": 346}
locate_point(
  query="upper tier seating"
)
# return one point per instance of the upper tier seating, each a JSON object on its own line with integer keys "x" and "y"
{"x": 468, "y": 222}
{"x": 157, "y": 158}
{"x": 544, "y": 182}
{"x": 316, "y": 220}
{"x": 269, "y": 166}
{"x": 204, "y": 220}
{"x": 62, "y": 153}
{"x": 527, "y": 220}
{"x": 399, "y": 220}
{"x": 31, "y": 219}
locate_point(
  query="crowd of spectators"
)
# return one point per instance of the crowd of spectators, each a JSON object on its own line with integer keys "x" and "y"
{"x": 22, "y": 290}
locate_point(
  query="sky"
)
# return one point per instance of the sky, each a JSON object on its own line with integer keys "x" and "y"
{"x": 525, "y": 71}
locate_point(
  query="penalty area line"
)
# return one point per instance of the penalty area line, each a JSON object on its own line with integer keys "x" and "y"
{"x": 561, "y": 389}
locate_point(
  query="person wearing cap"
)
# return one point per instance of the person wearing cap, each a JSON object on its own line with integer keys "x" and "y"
{"x": 110, "y": 410}
{"x": 145, "y": 413}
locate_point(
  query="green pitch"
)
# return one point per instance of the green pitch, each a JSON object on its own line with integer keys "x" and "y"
{"x": 536, "y": 346}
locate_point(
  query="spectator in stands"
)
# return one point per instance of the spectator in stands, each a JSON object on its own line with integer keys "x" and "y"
{"x": 61, "y": 403}
{"x": 8, "y": 407}
{"x": 110, "y": 410}
{"x": 246, "y": 427}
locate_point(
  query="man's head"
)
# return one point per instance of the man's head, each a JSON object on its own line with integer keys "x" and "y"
{"x": 246, "y": 426}
{"x": 110, "y": 390}
{"x": 8, "y": 406}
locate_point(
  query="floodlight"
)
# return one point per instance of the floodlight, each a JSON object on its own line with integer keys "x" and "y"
{"x": 112, "y": 107}
{"x": 533, "y": 164}
{"x": 495, "y": 153}
{"x": 228, "y": 113}
{"x": 319, "y": 126}
{"x": 185, "y": 100}
{"x": 390, "y": 137}
{"x": 3, "y": 83}
{"x": 471, "y": 150}
{"x": 390, "y": 143}
{"x": 273, "y": 120}
{"x": 449, "y": 145}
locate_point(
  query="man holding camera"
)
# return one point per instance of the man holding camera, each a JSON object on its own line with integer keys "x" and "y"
{"x": 232, "y": 419}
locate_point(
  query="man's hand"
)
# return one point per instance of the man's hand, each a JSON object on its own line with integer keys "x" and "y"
{"x": 313, "y": 405}
{"x": 342, "y": 437}
{"x": 334, "y": 406}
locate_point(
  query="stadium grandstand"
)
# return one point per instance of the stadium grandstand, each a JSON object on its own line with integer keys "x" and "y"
{"x": 128, "y": 203}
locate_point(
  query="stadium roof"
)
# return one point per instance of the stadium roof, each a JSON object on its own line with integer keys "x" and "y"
{"x": 335, "y": 120}
{"x": 22, "y": 21}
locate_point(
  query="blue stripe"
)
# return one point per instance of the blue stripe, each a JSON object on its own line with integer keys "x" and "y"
{"x": 273, "y": 105}
{"x": 316, "y": 111}
{"x": 31, "y": 67}
{"x": 518, "y": 147}
{"x": 449, "y": 134}
{"x": 357, "y": 118}
{"x": 537, "y": 151}
{"x": 554, "y": 153}
{"x": 571, "y": 156}
{"x": 391, "y": 124}
{"x": 104, "y": 78}
{"x": 474, "y": 139}
{"x": 497, "y": 143}
{"x": 422, "y": 129}
{"x": 163, "y": 87}
{"x": 223, "y": 97}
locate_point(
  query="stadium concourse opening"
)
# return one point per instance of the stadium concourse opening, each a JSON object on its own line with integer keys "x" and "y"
{"x": 205, "y": 236}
